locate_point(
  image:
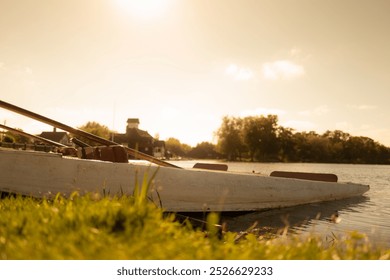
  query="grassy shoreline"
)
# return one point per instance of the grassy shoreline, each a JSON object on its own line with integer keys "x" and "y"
{"x": 130, "y": 228}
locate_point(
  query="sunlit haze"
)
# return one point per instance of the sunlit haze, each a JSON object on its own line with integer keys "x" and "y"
{"x": 180, "y": 66}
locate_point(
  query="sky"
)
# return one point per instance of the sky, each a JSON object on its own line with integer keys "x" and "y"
{"x": 181, "y": 65}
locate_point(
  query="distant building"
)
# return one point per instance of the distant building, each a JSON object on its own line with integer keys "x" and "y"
{"x": 140, "y": 140}
{"x": 59, "y": 137}
{"x": 159, "y": 149}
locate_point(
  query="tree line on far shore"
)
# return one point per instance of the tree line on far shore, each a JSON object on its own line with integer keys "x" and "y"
{"x": 260, "y": 138}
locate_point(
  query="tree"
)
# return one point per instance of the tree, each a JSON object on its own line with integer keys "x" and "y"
{"x": 252, "y": 134}
{"x": 364, "y": 150}
{"x": 13, "y": 137}
{"x": 204, "y": 150}
{"x": 286, "y": 144}
{"x": 260, "y": 136}
{"x": 337, "y": 142}
{"x": 303, "y": 151}
{"x": 96, "y": 129}
{"x": 319, "y": 148}
{"x": 175, "y": 148}
{"x": 8, "y": 138}
{"x": 229, "y": 135}
{"x": 263, "y": 140}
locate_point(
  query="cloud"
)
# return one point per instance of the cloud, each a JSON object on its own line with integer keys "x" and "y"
{"x": 282, "y": 70}
{"x": 319, "y": 111}
{"x": 300, "y": 125}
{"x": 295, "y": 52}
{"x": 239, "y": 73}
{"x": 262, "y": 111}
{"x": 344, "y": 126}
{"x": 380, "y": 134}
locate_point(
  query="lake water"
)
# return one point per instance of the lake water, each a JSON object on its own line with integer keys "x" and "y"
{"x": 368, "y": 214}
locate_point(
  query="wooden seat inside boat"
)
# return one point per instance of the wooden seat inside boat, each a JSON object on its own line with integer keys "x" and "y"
{"x": 325, "y": 177}
{"x": 211, "y": 166}
{"x": 114, "y": 153}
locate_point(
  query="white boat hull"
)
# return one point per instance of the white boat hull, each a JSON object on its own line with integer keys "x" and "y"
{"x": 180, "y": 190}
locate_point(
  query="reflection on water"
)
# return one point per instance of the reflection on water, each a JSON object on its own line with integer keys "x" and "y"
{"x": 368, "y": 214}
{"x": 294, "y": 217}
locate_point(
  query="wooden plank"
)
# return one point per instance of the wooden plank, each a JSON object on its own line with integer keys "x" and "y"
{"x": 211, "y": 166}
{"x": 325, "y": 177}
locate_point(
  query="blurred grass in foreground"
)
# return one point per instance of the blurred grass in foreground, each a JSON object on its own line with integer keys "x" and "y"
{"x": 83, "y": 227}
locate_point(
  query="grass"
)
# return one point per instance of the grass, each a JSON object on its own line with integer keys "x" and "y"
{"x": 132, "y": 228}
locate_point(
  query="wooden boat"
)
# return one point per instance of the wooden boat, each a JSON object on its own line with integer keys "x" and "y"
{"x": 41, "y": 174}
{"x": 106, "y": 170}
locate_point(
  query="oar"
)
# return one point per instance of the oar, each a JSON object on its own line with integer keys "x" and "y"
{"x": 82, "y": 133}
{"x": 32, "y": 136}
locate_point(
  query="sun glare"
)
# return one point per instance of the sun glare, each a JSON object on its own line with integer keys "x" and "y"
{"x": 143, "y": 9}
